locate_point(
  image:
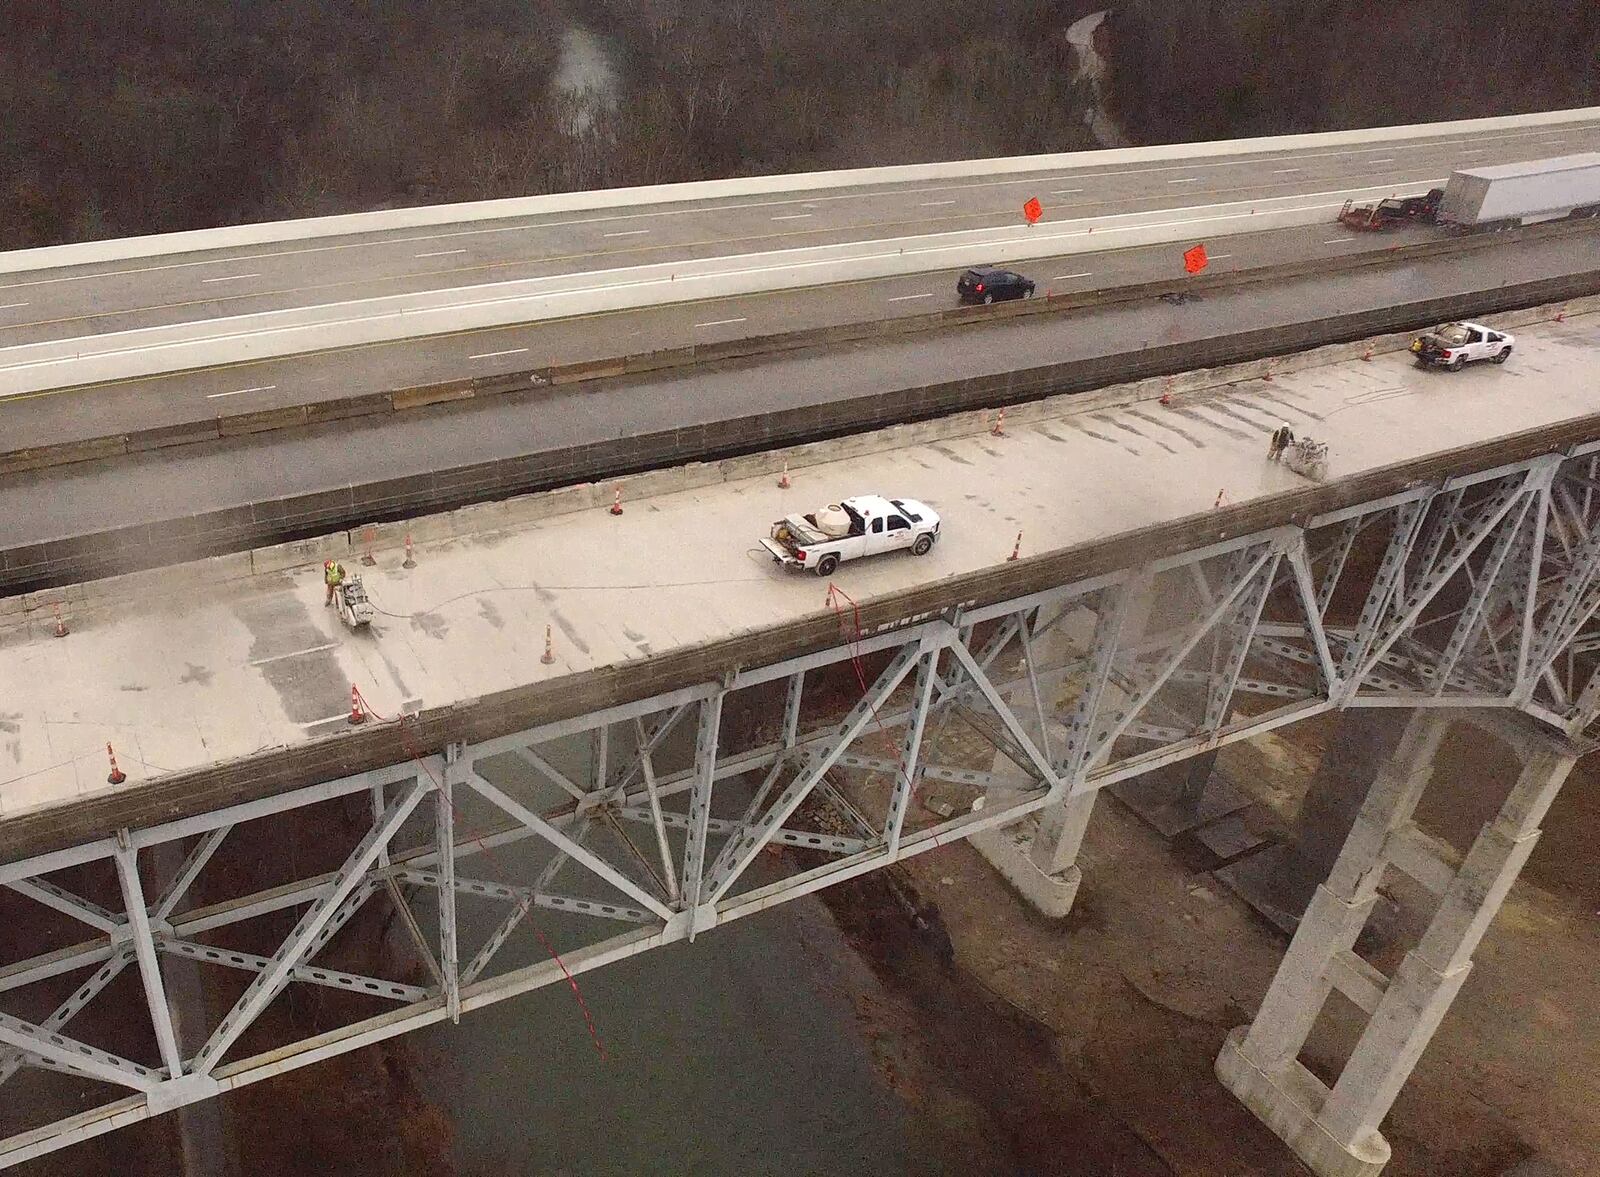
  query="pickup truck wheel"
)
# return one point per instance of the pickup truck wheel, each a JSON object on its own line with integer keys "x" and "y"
{"x": 923, "y": 546}
{"x": 1502, "y": 355}
{"x": 1457, "y": 364}
{"x": 826, "y": 565}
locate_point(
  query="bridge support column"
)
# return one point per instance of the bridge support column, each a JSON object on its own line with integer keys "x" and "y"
{"x": 1335, "y": 1130}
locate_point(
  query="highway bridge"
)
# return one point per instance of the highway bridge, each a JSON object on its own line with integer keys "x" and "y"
{"x": 649, "y": 711}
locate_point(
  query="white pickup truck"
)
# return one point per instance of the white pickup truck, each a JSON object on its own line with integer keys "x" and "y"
{"x": 862, "y": 526}
{"x": 1457, "y": 344}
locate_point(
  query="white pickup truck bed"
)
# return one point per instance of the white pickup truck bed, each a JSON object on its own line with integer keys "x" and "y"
{"x": 877, "y": 524}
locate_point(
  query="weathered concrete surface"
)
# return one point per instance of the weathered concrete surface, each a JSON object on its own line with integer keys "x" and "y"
{"x": 195, "y": 675}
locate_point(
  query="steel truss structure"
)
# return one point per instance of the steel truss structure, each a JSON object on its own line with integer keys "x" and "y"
{"x": 677, "y": 813}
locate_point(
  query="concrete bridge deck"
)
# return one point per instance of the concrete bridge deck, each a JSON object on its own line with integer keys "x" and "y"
{"x": 235, "y": 659}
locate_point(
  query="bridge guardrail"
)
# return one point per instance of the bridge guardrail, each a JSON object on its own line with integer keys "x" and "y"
{"x": 194, "y": 240}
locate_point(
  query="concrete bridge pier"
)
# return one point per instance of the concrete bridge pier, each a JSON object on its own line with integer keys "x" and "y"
{"x": 1335, "y": 1130}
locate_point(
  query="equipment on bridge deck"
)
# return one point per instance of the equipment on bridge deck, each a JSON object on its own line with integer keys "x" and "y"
{"x": 1457, "y": 344}
{"x": 1396, "y": 210}
{"x": 1308, "y": 457}
{"x": 862, "y": 526}
{"x": 351, "y": 600}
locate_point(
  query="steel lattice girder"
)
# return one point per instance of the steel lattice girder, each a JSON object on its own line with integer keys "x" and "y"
{"x": 1459, "y": 560}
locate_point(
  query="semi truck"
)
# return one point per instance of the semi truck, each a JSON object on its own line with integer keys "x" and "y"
{"x": 1506, "y": 195}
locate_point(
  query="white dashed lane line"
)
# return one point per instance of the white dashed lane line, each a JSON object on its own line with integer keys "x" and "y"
{"x": 211, "y": 396}
{"x": 794, "y": 216}
{"x": 719, "y": 323}
{"x": 441, "y": 253}
{"x": 1065, "y": 277}
{"x": 231, "y": 278}
{"x": 627, "y": 233}
{"x": 908, "y": 297}
{"x": 489, "y": 355}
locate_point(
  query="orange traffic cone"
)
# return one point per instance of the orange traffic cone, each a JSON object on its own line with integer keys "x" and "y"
{"x": 549, "y": 648}
{"x": 357, "y": 715}
{"x": 1220, "y": 496}
{"x": 1016, "y": 549}
{"x": 117, "y": 775}
{"x": 999, "y": 429}
{"x": 783, "y": 479}
{"x": 61, "y": 626}
{"x": 616, "y": 502}
{"x": 409, "y": 561}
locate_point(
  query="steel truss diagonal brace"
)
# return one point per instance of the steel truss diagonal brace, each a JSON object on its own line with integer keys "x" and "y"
{"x": 79, "y": 1056}
{"x": 566, "y": 845}
{"x": 155, "y": 990}
{"x": 1107, "y": 738}
{"x": 266, "y": 986}
{"x": 741, "y": 851}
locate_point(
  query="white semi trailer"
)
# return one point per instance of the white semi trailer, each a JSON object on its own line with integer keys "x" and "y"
{"x": 1511, "y": 194}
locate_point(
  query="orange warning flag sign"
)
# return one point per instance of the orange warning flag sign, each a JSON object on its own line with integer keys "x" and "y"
{"x": 1194, "y": 260}
{"x": 1033, "y": 210}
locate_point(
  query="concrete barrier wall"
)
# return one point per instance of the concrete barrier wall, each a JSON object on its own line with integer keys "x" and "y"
{"x": 677, "y": 458}
{"x": 405, "y": 399}
{"x": 60, "y": 363}
{"x": 128, "y": 248}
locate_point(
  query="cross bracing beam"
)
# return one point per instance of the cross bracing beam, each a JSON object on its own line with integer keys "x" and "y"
{"x": 1480, "y": 586}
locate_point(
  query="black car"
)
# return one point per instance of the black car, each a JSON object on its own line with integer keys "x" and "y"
{"x": 989, "y": 284}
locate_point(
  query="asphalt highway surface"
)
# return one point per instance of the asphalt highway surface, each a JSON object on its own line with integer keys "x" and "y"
{"x": 89, "y": 497}
{"x": 84, "y": 300}
{"x": 71, "y": 414}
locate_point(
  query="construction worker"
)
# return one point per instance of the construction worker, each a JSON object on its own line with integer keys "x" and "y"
{"x": 333, "y": 577}
{"x": 1282, "y": 439}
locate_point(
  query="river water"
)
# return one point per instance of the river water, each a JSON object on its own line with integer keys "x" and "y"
{"x": 739, "y": 1054}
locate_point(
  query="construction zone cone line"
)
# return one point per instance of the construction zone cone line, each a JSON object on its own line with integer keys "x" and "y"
{"x": 616, "y": 502}
{"x": 357, "y": 715}
{"x": 549, "y": 648}
{"x": 117, "y": 776}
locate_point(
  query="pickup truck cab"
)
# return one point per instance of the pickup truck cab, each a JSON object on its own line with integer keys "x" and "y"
{"x": 1455, "y": 345}
{"x": 862, "y": 526}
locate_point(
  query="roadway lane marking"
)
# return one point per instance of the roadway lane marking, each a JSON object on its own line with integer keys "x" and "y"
{"x": 794, "y": 216}
{"x": 1186, "y": 180}
{"x": 719, "y": 323}
{"x": 935, "y": 203}
{"x": 211, "y": 396}
{"x": 1064, "y": 277}
{"x": 1432, "y": 144}
{"x": 1064, "y": 191}
{"x": 627, "y": 233}
{"x": 1339, "y": 241}
{"x": 1384, "y": 159}
{"x": 907, "y": 297}
{"x": 230, "y": 278}
{"x": 295, "y": 654}
{"x": 11, "y": 306}
{"x": 441, "y": 253}
{"x": 489, "y": 355}
{"x": 1287, "y": 171}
